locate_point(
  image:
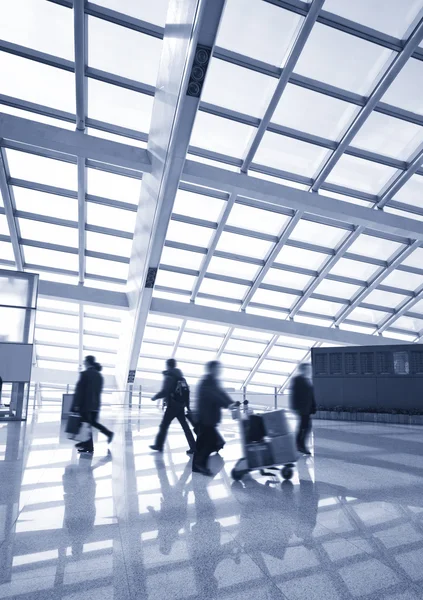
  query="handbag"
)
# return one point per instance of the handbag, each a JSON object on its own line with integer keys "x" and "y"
{"x": 73, "y": 424}
{"x": 84, "y": 433}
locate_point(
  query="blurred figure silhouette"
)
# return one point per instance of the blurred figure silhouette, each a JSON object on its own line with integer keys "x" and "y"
{"x": 79, "y": 488}
{"x": 304, "y": 404}
{"x": 175, "y": 392}
{"x": 173, "y": 511}
{"x": 211, "y": 399}
{"x": 87, "y": 401}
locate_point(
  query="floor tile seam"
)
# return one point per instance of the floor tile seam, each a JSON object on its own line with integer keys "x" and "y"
{"x": 242, "y": 549}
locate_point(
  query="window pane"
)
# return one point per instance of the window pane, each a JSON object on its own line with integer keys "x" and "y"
{"x": 51, "y": 258}
{"x": 245, "y": 347}
{"x": 343, "y": 60}
{"x": 324, "y": 235}
{"x": 243, "y": 245}
{"x": 193, "y": 234}
{"x": 402, "y": 280}
{"x": 321, "y": 307}
{"x": 238, "y": 89}
{"x": 181, "y": 258}
{"x": 220, "y": 135}
{"x": 298, "y": 257}
{"x": 202, "y": 341}
{"x": 160, "y": 335}
{"x": 100, "y": 242}
{"x": 222, "y": 288}
{"x": 115, "y": 187}
{"x": 355, "y": 269}
{"x": 6, "y": 251}
{"x": 49, "y": 205}
{"x": 108, "y": 216}
{"x": 389, "y": 16}
{"x": 98, "y": 266}
{"x": 238, "y": 361}
{"x": 374, "y": 247}
{"x": 119, "y": 106}
{"x": 4, "y": 228}
{"x": 415, "y": 259}
{"x": 380, "y": 298}
{"x": 36, "y": 82}
{"x": 277, "y": 366}
{"x": 195, "y": 354}
{"x": 287, "y": 353}
{"x": 409, "y": 324}
{"x": 198, "y": 206}
{"x": 388, "y": 136}
{"x": 359, "y": 174}
{"x": 175, "y": 280}
{"x": 287, "y": 279}
{"x": 313, "y": 113}
{"x": 54, "y": 234}
{"x": 156, "y": 350}
{"x": 242, "y": 27}
{"x": 152, "y": 12}
{"x": 255, "y": 219}
{"x": 336, "y": 289}
{"x": 287, "y": 154}
{"x": 121, "y": 50}
{"x": 274, "y": 298}
{"x": 405, "y": 90}
{"x": 411, "y": 192}
{"x": 224, "y": 266}
{"x": 367, "y": 315}
{"x": 41, "y": 170}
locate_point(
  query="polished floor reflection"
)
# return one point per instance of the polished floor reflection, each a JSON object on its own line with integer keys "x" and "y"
{"x": 134, "y": 525}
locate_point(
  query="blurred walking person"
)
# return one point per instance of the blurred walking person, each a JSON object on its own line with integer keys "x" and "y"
{"x": 304, "y": 404}
{"x": 175, "y": 392}
{"x": 87, "y": 402}
{"x": 211, "y": 399}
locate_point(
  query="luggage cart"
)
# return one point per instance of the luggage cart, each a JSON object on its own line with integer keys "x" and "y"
{"x": 241, "y": 468}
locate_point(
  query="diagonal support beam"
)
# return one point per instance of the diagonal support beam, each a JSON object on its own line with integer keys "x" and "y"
{"x": 176, "y": 102}
{"x": 263, "y": 357}
{"x": 210, "y": 251}
{"x": 402, "y": 311}
{"x": 271, "y": 258}
{"x": 80, "y": 38}
{"x": 9, "y": 210}
{"x": 391, "y": 73}
{"x": 287, "y": 71}
{"x": 400, "y": 181}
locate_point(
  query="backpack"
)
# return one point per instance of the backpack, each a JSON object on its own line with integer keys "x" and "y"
{"x": 181, "y": 393}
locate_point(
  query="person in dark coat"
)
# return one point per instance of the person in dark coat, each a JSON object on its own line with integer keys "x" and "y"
{"x": 174, "y": 408}
{"x": 211, "y": 399}
{"x": 87, "y": 401}
{"x": 304, "y": 404}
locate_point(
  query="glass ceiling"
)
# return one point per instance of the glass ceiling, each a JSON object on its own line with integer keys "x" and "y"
{"x": 217, "y": 254}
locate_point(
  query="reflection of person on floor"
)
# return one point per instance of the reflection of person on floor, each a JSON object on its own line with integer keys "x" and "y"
{"x": 173, "y": 511}
{"x": 307, "y": 507}
{"x": 79, "y": 488}
{"x": 304, "y": 404}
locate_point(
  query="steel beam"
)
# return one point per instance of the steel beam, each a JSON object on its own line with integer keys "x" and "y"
{"x": 80, "y": 32}
{"x": 263, "y": 357}
{"x": 82, "y": 294}
{"x": 288, "y": 69}
{"x": 82, "y": 217}
{"x": 210, "y": 251}
{"x": 274, "y": 194}
{"x": 174, "y": 110}
{"x": 9, "y": 211}
{"x": 402, "y": 311}
{"x": 72, "y": 143}
{"x": 243, "y": 320}
{"x": 386, "y": 80}
{"x": 393, "y": 188}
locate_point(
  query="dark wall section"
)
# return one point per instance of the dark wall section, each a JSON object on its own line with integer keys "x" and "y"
{"x": 369, "y": 376}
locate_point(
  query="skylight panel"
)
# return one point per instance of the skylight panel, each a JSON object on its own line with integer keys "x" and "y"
{"x": 287, "y": 279}
{"x": 119, "y": 106}
{"x": 323, "y": 235}
{"x": 54, "y": 234}
{"x": 233, "y": 268}
{"x": 39, "y": 169}
{"x": 58, "y": 320}
{"x": 343, "y": 60}
{"x": 160, "y": 335}
{"x": 266, "y": 378}
{"x": 409, "y": 324}
{"x": 220, "y": 135}
{"x": 237, "y": 88}
{"x": 4, "y": 227}
{"x": 6, "y": 251}
{"x": 198, "y": 206}
{"x": 50, "y": 258}
{"x": 274, "y": 298}
{"x": 297, "y": 257}
{"x": 238, "y": 361}
{"x": 367, "y": 315}
{"x": 32, "y": 116}
{"x": 151, "y": 12}
{"x": 63, "y": 338}
{"x": 338, "y": 289}
{"x": 242, "y": 26}
{"x": 102, "y": 325}
{"x": 277, "y": 366}
{"x": 224, "y": 305}
{"x": 98, "y": 266}
{"x": 193, "y": 234}
{"x": 415, "y": 259}
{"x": 382, "y": 298}
{"x": 195, "y": 354}
{"x": 374, "y": 247}
{"x": 108, "y": 244}
{"x": 234, "y": 374}
{"x": 243, "y": 245}
{"x": 181, "y": 258}
{"x": 411, "y": 192}
{"x": 48, "y": 205}
{"x": 108, "y": 216}
{"x": 202, "y": 341}
{"x": 314, "y": 113}
{"x": 321, "y": 307}
{"x": 119, "y": 50}
{"x": 223, "y": 288}
{"x": 36, "y": 82}
{"x": 403, "y": 280}
{"x": 405, "y": 90}
{"x": 287, "y": 154}
{"x": 253, "y": 334}
{"x": 175, "y": 280}
{"x": 57, "y": 352}
{"x": 112, "y": 186}
{"x": 360, "y": 174}
{"x": 156, "y": 349}
{"x": 255, "y": 219}
{"x": 355, "y": 269}
{"x": 98, "y": 341}
{"x": 244, "y": 347}
{"x": 209, "y": 327}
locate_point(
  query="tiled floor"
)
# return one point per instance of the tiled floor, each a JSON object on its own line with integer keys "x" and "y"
{"x": 133, "y": 525}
